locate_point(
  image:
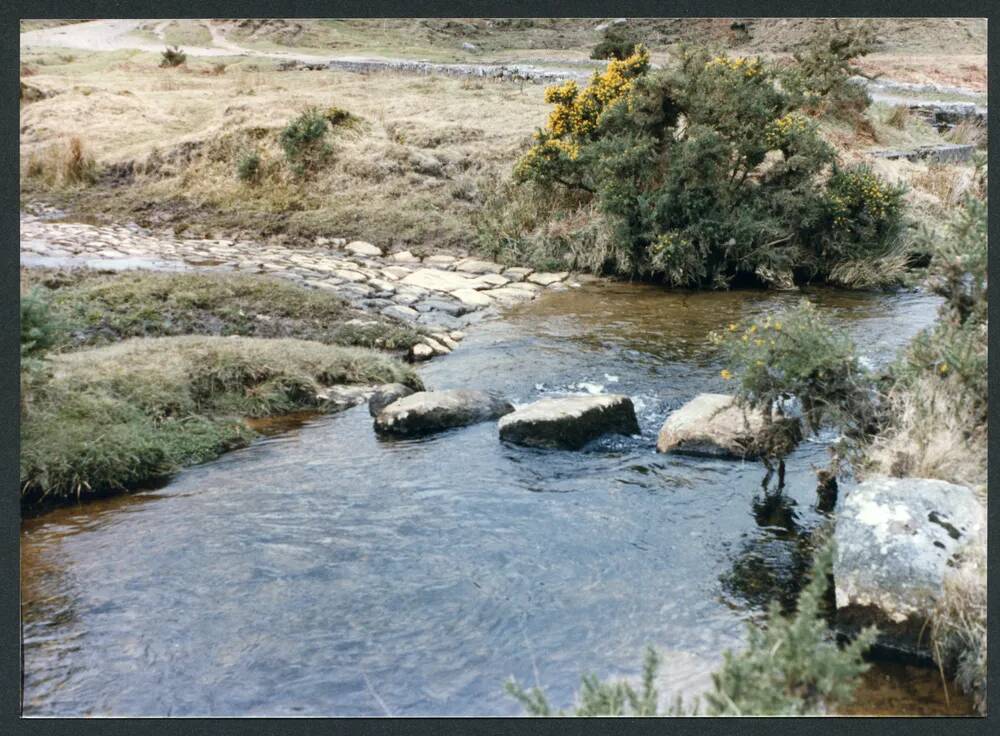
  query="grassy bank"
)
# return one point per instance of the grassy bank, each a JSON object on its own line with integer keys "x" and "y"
{"x": 95, "y": 308}
{"x": 106, "y": 419}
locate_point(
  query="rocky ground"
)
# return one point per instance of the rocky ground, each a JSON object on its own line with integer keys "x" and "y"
{"x": 442, "y": 292}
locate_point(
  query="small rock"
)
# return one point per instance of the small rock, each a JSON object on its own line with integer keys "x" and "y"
{"x": 471, "y": 265}
{"x": 395, "y": 272}
{"x": 420, "y": 351}
{"x": 322, "y": 242}
{"x": 453, "y": 308}
{"x": 472, "y": 297}
{"x": 440, "y": 260}
{"x": 436, "y": 346}
{"x": 433, "y": 411}
{"x": 518, "y": 274}
{"x": 361, "y": 248}
{"x": 569, "y": 423}
{"x": 445, "y": 340}
{"x": 547, "y": 279}
{"x": 490, "y": 280}
{"x": 469, "y": 46}
{"x": 385, "y": 395}
{"x": 397, "y": 311}
{"x": 457, "y": 335}
{"x": 350, "y": 275}
{"x": 404, "y": 256}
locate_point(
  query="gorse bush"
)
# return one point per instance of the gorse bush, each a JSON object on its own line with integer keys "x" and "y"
{"x": 172, "y": 56}
{"x": 791, "y": 666}
{"x": 617, "y": 43}
{"x": 304, "y": 141}
{"x": 248, "y": 167}
{"x": 703, "y": 175}
{"x": 821, "y": 75}
{"x": 799, "y": 354}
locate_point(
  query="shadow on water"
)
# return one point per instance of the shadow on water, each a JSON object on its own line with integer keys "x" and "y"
{"x": 321, "y": 571}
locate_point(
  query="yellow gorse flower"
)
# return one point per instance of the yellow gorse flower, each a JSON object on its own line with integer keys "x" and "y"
{"x": 726, "y": 375}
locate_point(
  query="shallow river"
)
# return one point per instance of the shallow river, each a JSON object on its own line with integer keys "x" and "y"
{"x": 323, "y": 571}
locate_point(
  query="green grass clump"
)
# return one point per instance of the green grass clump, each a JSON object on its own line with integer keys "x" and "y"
{"x": 100, "y": 308}
{"x": 791, "y": 666}
{"x": 107, "y": 419}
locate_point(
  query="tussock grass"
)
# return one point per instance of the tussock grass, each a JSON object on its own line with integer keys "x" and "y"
{"x": 928, "y": 437}
{"x": 97, "y": 308}
{"x": 65, "y": 164}
{"x": 103, "y": 420}
{"x": 959, "y": 622}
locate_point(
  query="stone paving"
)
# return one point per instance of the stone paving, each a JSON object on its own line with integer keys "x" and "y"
{"x": 442, "y": 292}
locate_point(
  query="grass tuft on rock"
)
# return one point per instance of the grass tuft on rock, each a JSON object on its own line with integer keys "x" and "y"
{"x": 107, "y": 419}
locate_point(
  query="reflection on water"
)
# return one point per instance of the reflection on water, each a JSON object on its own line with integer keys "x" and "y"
{"x": 323, "y": 572}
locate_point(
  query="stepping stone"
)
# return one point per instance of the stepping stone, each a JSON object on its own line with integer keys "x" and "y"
{"x": 713, "y": 425}
{"x": 432, "y": 411}
{"x": 569, "y": 423}
{"x": 350, "y": 275}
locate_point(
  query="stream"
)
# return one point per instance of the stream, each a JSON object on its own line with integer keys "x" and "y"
{"x": 323, "y": 571}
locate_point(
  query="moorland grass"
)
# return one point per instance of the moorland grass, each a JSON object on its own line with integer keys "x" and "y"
{"x": 99, "y": 308}
{"x": 107, "y": 419}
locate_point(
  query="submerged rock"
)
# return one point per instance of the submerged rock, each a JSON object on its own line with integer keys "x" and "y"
{"x": 569, "y": 423}
{"x": 713, "y": 424}
{"x": 386, "y": 394}
{"x": 432, "y": 411}
{"x": 897, "y": 539}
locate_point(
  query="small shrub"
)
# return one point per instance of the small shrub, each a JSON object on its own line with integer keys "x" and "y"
{"x": 78, "y": 166}
{"x": 172, "y": 57}
{"x": 791, "y": 666}
{"x": 40, "y": 330}
{"x": 303, "y": 141}
{"x": 218, "y": 69}
{"x": 248, "y": 167}
{"x": 617, "y": 43}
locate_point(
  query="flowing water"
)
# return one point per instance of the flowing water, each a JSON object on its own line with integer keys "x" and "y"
{"x": 325, "y": 571}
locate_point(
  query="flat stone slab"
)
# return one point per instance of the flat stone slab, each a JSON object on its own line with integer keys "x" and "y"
{"x": 471, "y": 265}
{"x": 547, "y": 279}
{"x": 713, "y": 425}
{"x": 433, "y": 411}
{"x": 472, "y": 297}
{"x": 569, "y": 423}
{"x": 897, "y": 540}
{"x": 437, "y": 280}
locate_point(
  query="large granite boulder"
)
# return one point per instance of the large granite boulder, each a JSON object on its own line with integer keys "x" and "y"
{"x": 897, "y": 539}
{"x": 569, "y": 423}
{"x": 432, "y": 411}
{"x": 714, "y": 425}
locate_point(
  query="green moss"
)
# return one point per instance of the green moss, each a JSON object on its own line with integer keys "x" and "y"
{"x": 107, "y": 419}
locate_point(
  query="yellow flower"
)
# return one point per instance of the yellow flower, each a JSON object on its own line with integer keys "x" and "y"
{"x": 726, "y": 375}
{"x": 777, "y": 326}
{"x": 753, "y": 329}
{"x": 732, "y": 327}
{"x": 943, "y": 369}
